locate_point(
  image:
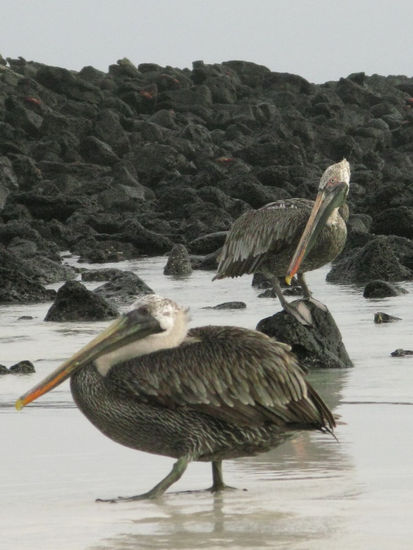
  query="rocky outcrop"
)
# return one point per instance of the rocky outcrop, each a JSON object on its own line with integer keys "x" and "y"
{"x": 131, "y": 162}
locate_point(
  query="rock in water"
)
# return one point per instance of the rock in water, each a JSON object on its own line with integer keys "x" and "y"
{"x": 381, "y": 317}
{"x": 178, "y": 262}
{"x": 123, "y": 288}
{"x": 317, "y": 346}
{"x": 74, "y": 302}
{"x": 22, "y": 367}
{"x": 381, "y": 289}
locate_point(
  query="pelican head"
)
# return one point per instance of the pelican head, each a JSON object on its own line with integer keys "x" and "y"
{"x": 332, "y": 192}
{"x": 152, "y": 323}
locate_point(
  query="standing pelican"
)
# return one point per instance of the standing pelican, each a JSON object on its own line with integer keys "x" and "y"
{"x": 212, "y": 393}
{"x": 268, "y": 240}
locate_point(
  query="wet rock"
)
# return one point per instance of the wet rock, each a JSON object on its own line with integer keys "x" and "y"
{"x": 74, "y": 302}
{"x": 207, "y": 243}
{"x": 395, "y": 221}
{"x": 8, "y": 180}
{"x": 318, "y": 346}
{"x": 209, "y": 262}
{"x": 18, "y": 283}
{"x": 375, "y": 260}
{"x": 381, "y": 289}
{"x": 93, "y": 251}
{"x": 123, "y": 288}
{"x": 22, "y": 367}
{"x": 97, "y": 151}
{"x": 178, "y": 263}
{"x": 104, "y": 274}
{"x": 399, "y": 352}
{"x": 4, "y": 370}
{"x": 228, "y": 305}
{"x": 381, "y": 317}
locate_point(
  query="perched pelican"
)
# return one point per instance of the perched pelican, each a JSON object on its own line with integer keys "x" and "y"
{"x": 268, "y": 240}
{"x": 207, "y": 394}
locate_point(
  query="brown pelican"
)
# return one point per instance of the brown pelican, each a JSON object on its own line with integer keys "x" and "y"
{"x": 207, "y": 394}
{"x": 268, "y": 240}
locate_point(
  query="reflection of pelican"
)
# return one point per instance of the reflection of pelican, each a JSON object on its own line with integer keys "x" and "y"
{"x": 268, "y": 240}
{"x": 209, "y": 394}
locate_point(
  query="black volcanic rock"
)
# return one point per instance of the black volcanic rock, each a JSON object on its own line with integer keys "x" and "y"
{"x": 127, "y": 163}
{"x": 381, "y": 289}
{"x": 375, "y": 260}
{"x": 123, "y": 288}
{"x": 74, "y": 302}
{"x": 178, "y": 263}
{"x": 22, "y": 367}
{"x": 317, "y": 346}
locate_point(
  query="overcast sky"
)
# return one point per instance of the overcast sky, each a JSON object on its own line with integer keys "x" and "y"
{"x": 318, "y": 39}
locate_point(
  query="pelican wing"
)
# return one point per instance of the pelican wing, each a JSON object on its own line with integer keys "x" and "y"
{"x": 272, "y": 228}
{"x": 230, "y": 373}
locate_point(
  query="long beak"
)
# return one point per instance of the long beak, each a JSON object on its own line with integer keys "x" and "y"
{"x": 128, "y": 328}
{"x": 327, "y": 199}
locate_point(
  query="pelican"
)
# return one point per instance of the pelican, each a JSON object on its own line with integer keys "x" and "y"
{"x": 205, "y": 394}
{"x": 268, "y": 240}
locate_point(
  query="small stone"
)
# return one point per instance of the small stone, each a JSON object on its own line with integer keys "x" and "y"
{"x": 178, "y": 263}
{"x": 381, "y": 317}
{"x": 228, "y": 305}
{"x": 22, "y": 367}
{"x": 399, "y": 352}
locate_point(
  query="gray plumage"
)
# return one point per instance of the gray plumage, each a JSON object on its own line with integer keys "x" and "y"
{"x": 225, "y": 392}
{"x": 290, "y": 236}
{"x": 207, "y": 394}
{"x": 264, "y": 240}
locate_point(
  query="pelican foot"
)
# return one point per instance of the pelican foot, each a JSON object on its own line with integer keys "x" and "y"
{"x": 300, "y": 312}
{"x": 144, "y": 496}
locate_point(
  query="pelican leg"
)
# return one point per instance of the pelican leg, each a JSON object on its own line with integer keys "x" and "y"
{"x": 308, "y": 295}
{"x": 302, "y": 282}
{"x": 217, "y": 478}
{"x": 299, "y": 312}
{"x": 176, "y": 473}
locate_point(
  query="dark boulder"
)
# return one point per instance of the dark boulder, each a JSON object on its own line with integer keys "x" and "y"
{"x": 74, "y": 302}
{"x": 381, "y": 289}
{"x": 381, "y": 317}
{"x": 8, "y": 180}
{"x": 97, "y": 151}
{"x": 22, "y": 367}
{"x": 317, "y": 346}
{"x": 4, "y": 370}
{"x": 395, "y": 221}
{"x": 375, "y": 260}
{"x": 108, "y": 250}
{"x": 123, "y": 288}
{"x": 104, "y": 274}
{"x": 399, "y": 352}
{"x": 178, "y": 263}
{"x": 208, "y": 243}
{"x": 18, "y": 283}
{"x": 228, "y": 305}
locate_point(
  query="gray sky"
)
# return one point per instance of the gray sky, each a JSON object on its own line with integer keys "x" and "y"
{"x": 318, "y": 39}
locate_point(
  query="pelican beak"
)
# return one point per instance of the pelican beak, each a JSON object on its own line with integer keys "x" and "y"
{"x": 131, "y": 326}
{"x": 330, "y": 197}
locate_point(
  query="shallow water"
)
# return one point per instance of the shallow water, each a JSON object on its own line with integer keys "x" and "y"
{"x": 310, "y": 493}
